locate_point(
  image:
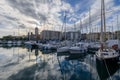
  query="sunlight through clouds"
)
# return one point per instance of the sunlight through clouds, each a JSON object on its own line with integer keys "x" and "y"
{"x": 27, "y": 14}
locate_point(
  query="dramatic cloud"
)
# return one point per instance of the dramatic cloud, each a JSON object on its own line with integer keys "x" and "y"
{"x": 49, "y": 14}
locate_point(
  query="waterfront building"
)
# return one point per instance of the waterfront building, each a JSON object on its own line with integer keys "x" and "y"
{"x": 50, "y": 35}
{"x": 35, "y": 36}
{"x": 96, "y": 36}
{"x": 71, "y": 35}
{"x": 93, "y": 36}
{"x": 36, "y": 31}
{"x": 109, "y": 35}
{"x": 117, "y": 34}
{"x": 28, "y": 36}
{"x": 75, "y": 36}
{"x": 32, "y": 36}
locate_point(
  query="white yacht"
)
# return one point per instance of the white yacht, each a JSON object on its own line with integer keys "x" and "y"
{"x": 40, "y": 45}
{"x": 31, "y": 44}
{"x": 18, "y": 43}
{"x": 49, "y": 47}
{"x": 64, "y": 49}
{"x": 93, "y": 47}
{"x": 78, "y": 48}
{"x": 9, "y": 42}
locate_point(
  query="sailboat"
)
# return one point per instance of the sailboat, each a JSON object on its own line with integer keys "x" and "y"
{"x": 65, "y": 48}
{"x": 105, "y": 53}
{"x": 78, "y": 48}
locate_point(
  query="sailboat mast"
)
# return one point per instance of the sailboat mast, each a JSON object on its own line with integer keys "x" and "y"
{"x": 90, "y": 23}
{"x": 117, "y": 28}
{"x": 112, "y": 31}
{"x": 104, "y": 23}
{"x": 63, "y": 29}
{"x": 75, "y": 32}
{"x": 65, "y": 26}
{"x": 81, "y": 27}
{"x": 80, "y": 30}
{"x": 101, "y": 35}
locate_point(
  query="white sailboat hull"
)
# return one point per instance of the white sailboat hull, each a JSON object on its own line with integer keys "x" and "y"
{"x": 104, "y": 55}
{"x": 63, "y": 49}
{"x": 76, "y": 50}
{"x": 49, "y": 47}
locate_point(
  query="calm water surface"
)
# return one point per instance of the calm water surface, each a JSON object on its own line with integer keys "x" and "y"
{"x": 20, "y": 63}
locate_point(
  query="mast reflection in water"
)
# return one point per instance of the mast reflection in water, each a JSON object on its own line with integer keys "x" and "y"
{"x": 20, "y": 63}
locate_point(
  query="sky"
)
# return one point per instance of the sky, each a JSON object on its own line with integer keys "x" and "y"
{"x": 17, "y": 17}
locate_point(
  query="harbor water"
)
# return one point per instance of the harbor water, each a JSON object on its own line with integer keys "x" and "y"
{"x": 22, "y": 63}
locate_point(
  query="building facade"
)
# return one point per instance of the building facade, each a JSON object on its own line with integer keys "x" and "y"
{"x": 36, "y": 31}
{"x": 71, "y": 35}
{"x": 50, "y": 35}
{"x": 93, "y": 36}
{"x": 117, "y": 35}
{"x": 34, "y": 36}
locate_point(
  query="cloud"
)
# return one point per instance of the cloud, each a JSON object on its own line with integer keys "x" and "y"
{"x": 111, "y": 9}
{"x": 26, "y": 7}
{"x": 46, "y": 14}
{"x": 22, "y": 26}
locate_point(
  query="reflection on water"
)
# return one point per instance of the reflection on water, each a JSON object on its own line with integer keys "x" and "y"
{"x": 20, "y": 63}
